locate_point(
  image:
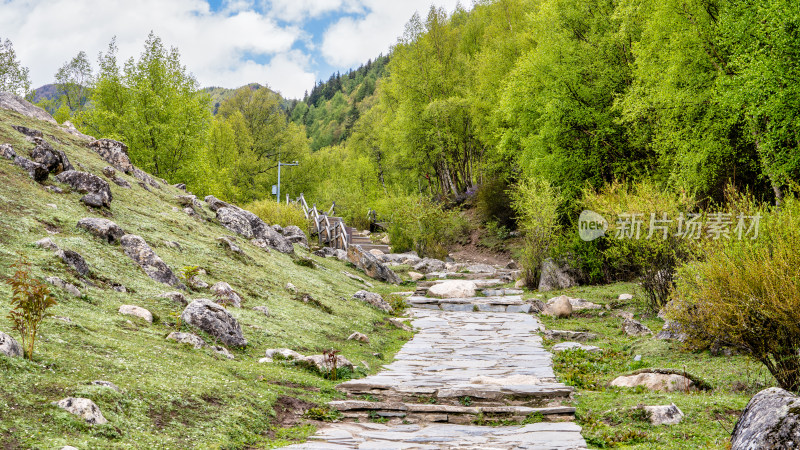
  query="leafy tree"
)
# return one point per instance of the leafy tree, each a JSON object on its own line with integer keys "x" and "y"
{"x": 74, "y": 79}
{"x": 13, "y": 76}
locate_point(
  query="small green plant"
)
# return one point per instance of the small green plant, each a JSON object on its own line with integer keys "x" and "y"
{"x": 465, "y": 400}
{"x": 30, "y": 301}
{"x": 305, "y": 262}
{"x": 375, "y": 417}
{"x": 398, "y": 304}
{"x": 187, "y": 273}
{"x": 323, "y": 414}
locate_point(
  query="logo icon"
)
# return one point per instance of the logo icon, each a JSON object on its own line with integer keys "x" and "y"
{"x": 591, "y": 225}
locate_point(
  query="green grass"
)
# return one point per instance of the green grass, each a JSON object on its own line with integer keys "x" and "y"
{"x": 607, "y": 414}
{"x": 172, "y": 395}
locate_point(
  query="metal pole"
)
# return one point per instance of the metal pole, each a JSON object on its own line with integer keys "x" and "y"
{"x": 278, "y": 197}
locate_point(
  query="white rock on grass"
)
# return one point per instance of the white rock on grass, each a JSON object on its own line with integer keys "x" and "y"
{"x": 415, "y": 276}
{"x": 563, "y": 346}
{"x": 222, "y": 351}
{"x": 59, "y": 283}
{"x": 46, "y": 244}
{"x": 137, "y": 311}
{"x": 187, "y": 338}
{"x": 634, "y": 328}
{"x": 625, "y": 297}
{"x": 262, "y": 309}
{"x": 106, "y": 384}
{"x": 655, "y": 382}
{"x": 453, "y": 289}
{"x": 559, "y": 307}
{"x": 360, "y": 337}
{"x": 664, "y": 414}
{"x": 83, "y": 408}
{"x": 9, "y": 346}
{"x": 519, "y": 284}
{"x": 399, "y": 324}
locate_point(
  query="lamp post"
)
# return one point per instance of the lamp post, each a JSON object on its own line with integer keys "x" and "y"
{"x": 279, "y": 177}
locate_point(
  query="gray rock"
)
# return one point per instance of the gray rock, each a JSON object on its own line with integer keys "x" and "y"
{"x": 222, "y": 351}
{"x": 70, "y": 128}
{"x": 102, "y": 228}
{"x": 634, "y": 328}
{"x": 664, "y": 414}
{"x": 188, "y": 200}
{"x": 93, "y": 200}
{"x": 7, "y": 151}
{"x": 224, "y": 294}
{"x": 563, "y": 346}
{"x": 137, "y": 249}
{"x": 114, "y": 153}
{"x": 371, "y": 266}
{"x": 672, "y": 331}
{"x": 770, "y": 421}
{"x": 28, "y": 132}
{"x": 87, "y": 183}
{"x": 59, "y": 283}
{"x": 175, "y": 297}
{"x": 559, "y": 307}
{"x": 580, "y": 336}
{"x": 579, "y": 304}
{"x": 136, "y": 311}
{"x": 373, "y": 299}
{"x": 324, "y": 365}
{"x": 145, "y": 178}
{"x": 480, "y": 268}
{"x": 284, "y": 353}
{"x": 249, "y": 225}
{"x": 55, "y": 161}
{"x": 273, "y": 239}
{"x": 109, "y": 172}
{"x": 47, "y": 244}
{"x": 215, "y": 320}
{"x": 554, "y": 277}
{"x": 74, "y": 260}
{"x": 277, "y": 228}
{"x": 295, "y": 235}
{"x": 291, "y": 288}
{"x": 428, "y": 265}
{"x": 187, "y": 338}
{"x": 415, "y": 276}
{"x": 399, "y": 324}
{"x": 9, "y": 346}
{"x": 665, "y": 382}
{"x": 262, "y": 309}
{"x": 107, "y": 384}
{"x": 453, "y": 289}
{"x": 214, "y": 203}
{"x": 229, "y": 243}
{"x": 36, "y": 171}
{"x": 83, "y": 408}
{"x": 24, "y": 107}
{"x": 625, "y": 297}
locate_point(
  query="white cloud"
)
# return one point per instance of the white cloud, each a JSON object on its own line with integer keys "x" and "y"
{"x": 301, "y": 10}
{"x": 350, "y": 42}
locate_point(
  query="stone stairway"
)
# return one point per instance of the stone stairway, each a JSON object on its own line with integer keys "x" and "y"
{"x": 473, "y": 362}
{"x": 365, "y": 242}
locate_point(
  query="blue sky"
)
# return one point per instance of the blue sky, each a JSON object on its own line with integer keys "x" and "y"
{"x": 286, "y": 44}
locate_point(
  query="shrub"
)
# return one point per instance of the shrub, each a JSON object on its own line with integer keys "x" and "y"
{"x": 745, "y": 292}
{"x": 30, "y": 301}
{"x": 493, "y": 203}
{"x": 422, "y": 225}
{"x": 281, "y": 214}
{"x": 536, "y": 203}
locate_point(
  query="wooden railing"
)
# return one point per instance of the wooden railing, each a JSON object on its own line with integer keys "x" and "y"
{"x": 330, "y": 233}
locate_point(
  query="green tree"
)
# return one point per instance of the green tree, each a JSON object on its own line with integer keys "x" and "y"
{"x": 13, "y": 76}
{"x": 73, "y": 81}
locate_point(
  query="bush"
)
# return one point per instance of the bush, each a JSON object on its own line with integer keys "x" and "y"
{"x": 745, "y": 292}
{"x": 30, "y": 301}
{"x": 423, "y": 226}
{"x": 493, "y": 203}
{"x": 281, "y": 214}
{"x": 536, "y": 203}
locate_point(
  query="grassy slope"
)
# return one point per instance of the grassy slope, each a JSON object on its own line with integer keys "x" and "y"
{"x": 172, "y": 396}
{"x": 605, "y": 413}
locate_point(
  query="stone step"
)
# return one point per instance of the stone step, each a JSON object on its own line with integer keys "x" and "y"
{"x": 509, "y": 275}
{"x": 458, "y": 414}
{"x": 510, "y": 303}
{"x": 480, "y": 283}
{"x": 382, "y": 247}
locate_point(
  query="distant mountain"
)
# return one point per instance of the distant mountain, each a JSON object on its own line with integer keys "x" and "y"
{"x": 46, "y": 92}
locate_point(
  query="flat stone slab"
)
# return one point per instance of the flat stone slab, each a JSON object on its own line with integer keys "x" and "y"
{"x": 498, "y": 303}
{"x": 537, "y": 436}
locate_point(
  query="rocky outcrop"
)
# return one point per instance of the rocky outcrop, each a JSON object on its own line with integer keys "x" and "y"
{"x": 102, "y": 228}
{"x": 28, "y": 132}
{"x": 96, "y": 189}
{"x": 9, "y": 346}
{"x": 137, "y": 249}
{"x": 54, "y": 161}
{"x": 554, "y": 277}
{"x": 20, "y": 105}
{"x": 330, "y": 252}
{"x": 325, "y": 364}
{"x": 373, "y": 299}
{"x": 771, "y": 420}
{"x": 453, "y": 289}
{"x": 46, "y": 243}
{"x": 36, "y": 171}
{"x": 215, "y": 320}
{"x": 7, "y": 151}
{"x": 249, "y": 225}
{"x": 229, "y": 243}
{"x": 70, "y": 128}
{"x": 74, "y": 260}
{"x": 136, "y": 311}
{"x": 83, "y": 408}
{"x": 225, "y": 294}
{"x": 371, "y": 266}
{"x": 273, "y": 239}
{"x": 295, "y": 235}
{"x": 145, "y": 178}
{"x": 114, "y": 153}
{"x": 214, "y": 203}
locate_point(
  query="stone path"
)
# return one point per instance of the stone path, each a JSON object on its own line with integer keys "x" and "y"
{"x": 470, "y": 360}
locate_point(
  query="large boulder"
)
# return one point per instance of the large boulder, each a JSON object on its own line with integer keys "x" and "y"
{"x": 83, "y": 408}
{"x": 102, "y": 228}
{"x": 249, "y": 225}
{"x": 137, "y": 249}
{"x": 9, "y": 346}
{"x": 771, "y": 420}
{"x": 96, "y": 188}
{"x": 38, "y": 172}
{"x": 554, "y": 277}
{"x": 272, "y": 238}
{"x": 373, "y": 299}
{"x": 666, "y": 382}
{"x": 371, "y": 266}
{"x": 24, "y": 107}
{"x": 74, "y": 260}
{"x": 55, "y": 161}
{"x": 7, "y": 151}
{"x": 114, "y": 152}
{"x": 215, "y": 320}
{"x": 453, "y": 289}
{"x": 295, "y": 235}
